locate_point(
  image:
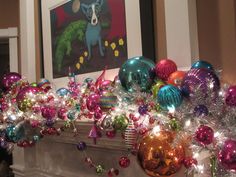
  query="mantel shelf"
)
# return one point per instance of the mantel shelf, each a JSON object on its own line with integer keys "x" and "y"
{"x": 83, "y": 127}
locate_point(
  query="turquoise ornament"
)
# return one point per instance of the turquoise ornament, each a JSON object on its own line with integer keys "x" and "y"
{"x": 169, "y": 97}
{"x": 202, "y": 64}
{"x": 71, "y": 115}
{"x": 137, "y": 71}
{"x": 15, "y": 133}
{"x": 62, "y": 92}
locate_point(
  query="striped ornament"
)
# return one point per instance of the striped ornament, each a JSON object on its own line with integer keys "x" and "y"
{"x": 130, "y": 136}
{"x": 107, "y": 100}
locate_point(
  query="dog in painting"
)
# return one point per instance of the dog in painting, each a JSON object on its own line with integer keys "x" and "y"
{"x": 93, "y": 30}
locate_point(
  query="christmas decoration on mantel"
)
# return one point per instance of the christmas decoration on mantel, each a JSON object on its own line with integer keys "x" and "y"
{"x": 166, "y": 117}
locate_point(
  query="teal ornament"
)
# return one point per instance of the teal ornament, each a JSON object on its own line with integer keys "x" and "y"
{"x": 77, "y": 107}
{"x": 137, "y": 71}
{"x": 71, "y": 114}
{"x": 15, "y": 133}
{"x": 62, "y": 92}
{"x": 202, "y": 64}
{"x": 169, "y": 97}
{"x": 107, "y": 100}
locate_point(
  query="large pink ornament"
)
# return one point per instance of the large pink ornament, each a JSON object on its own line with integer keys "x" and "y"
{"x": 204, "y": 135}
{"x": 227, "y": 156}
{"x": 9, "y": 79}
{"x": 93, "y": 102}
{"x": 48, "y": 112}
{"x": 164, "y": 68}
{"x": 230, "y": 99}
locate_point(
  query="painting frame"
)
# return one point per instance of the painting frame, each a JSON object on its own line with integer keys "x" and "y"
{"x": 133, "y": 32}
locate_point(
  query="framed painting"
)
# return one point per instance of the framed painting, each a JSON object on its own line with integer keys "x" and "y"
{"x": 85, "y": 36}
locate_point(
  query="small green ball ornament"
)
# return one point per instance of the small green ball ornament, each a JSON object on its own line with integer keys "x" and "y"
{"x": 99, "y": 169}
{"x": 120, "y": 122}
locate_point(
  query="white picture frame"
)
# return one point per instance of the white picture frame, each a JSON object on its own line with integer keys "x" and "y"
{"x": 133, "y": 31}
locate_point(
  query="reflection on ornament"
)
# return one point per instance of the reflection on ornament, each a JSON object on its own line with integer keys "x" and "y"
{"x": 164, "y": 68}
{"x": 157, "y": 155}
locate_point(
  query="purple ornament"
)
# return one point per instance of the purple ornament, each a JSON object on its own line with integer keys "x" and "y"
{"x": 48, "y": 112}
{"x": 200, "y": 111}
{"x": 9, "y": 79}
{"x": 227, "y": 156}
{"x": 49, "y": 122}
{"x": 201, "y": 79}
{"x": 204, "y": 135}
{"x": 143, "y": 109}
{"x": 93, "y": 102}
{"x": 230, "y": 99}
{"x": 81, "y": 146}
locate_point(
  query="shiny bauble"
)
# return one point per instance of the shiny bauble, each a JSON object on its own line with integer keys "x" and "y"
{"x": 26, "y": 98}
{"x": 48, "y": 112}
{"x": 158, "y": 156}
{"x": 202, "y": 64}
{"x": 176, "y": 78}
{"x": 106, "y": 123}
{"x": 81, "y": 146}
{"x": 137, "y": 72}
{"x": 63, "y": 92}
{"x": 230, "y": 98}
{"x": 227, "y": 155}
{"x": 204, "y": 135}
{"x": 200, "y": 111}
{"x": 44, "y": 84}
{"x": 10, "y": 79}
{"x": 202, "y": 81}
{"x": 124, "y": 162}
{"x": 164, "y": 68}
{"x": 120, "y": 122}
{"x": 156, "y": 87}
{"x": 92, "y": 102}
{"x": 105, "y": 85}
{"x": 169, "y": 97}
{"x": 107, "y": 100}
{"x": 15, "y": 133}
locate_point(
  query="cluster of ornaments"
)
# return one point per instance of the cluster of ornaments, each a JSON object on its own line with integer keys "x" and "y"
{"x": 164, "y": 115}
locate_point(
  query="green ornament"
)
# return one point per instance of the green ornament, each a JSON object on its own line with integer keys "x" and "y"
{"x": 120, "y": 122}
{"x": 99, "y": 169}
{"x": 156, "y": 87}
{"x": 71, "y": 115}
{"x": 77, "y": 107}
{"x": 174, "y": 125}
{"x": 33, "y": 84}
{"x": 36, "y": 138}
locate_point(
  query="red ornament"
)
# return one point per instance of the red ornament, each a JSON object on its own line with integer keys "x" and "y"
{"x": 164, "y": 68}
{"x": 124, "y": 162}
{"x": 111, "y": 134}
{"x": 189, "y": 162}
{"x": 204, "y": 135}
{"x": 113, "y": 172}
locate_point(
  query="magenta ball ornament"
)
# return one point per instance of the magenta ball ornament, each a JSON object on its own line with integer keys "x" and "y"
{"x": 230, "y": 99}
{"x": 204, "y": 135}
{"x": 227, "y": 155}
{"x": 124, "y": 162}
{"x": 92, "y": 102}
{"x": 9, "y": 79}
{"x": 48, "y": 112}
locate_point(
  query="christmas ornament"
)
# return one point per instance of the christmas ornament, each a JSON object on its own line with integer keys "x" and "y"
{"x": 62, "y": 113}
{"x": 158, "y": 157}
{"x": 156, "y": 87}
{"x": 81, "y": 146}
{"x": 230, "y": 99}
{"x": 169, "y": 97}
{"x": 202, "y": 64}
{"x": 137, "y": 72}
{"x": 204, "y": 135}
{"x": 203, "y": 81}
{"x": 120, "y": 122}
{"x": 63, "y": 92}
{"x": 105, "y": 85}
{"x": 124, "y": 162}
{"x": 111, "y": 134}
{"x": 9, "y": 79}
{"x": 15, "y": 133}
{"x": 130, "y": 135}
{"x": 189, "y": 162}
{"x": 48, "y": 112}
{"x": 44, "y": 84}
{"x": 200, "y": 110}
{"x": 176, "y": 78}
{"x": 92, "y": 102}
{"x": 99, "y": 169}
{"x": 164, "y": 68}
{"x": 143, "y": 109}
{"x": 107, "y": 100}
{"x": 227, "y": 155}
{"x": 98, "y": 113}
{"x": 26, "y": 98}
{"x": 106, "y": 123}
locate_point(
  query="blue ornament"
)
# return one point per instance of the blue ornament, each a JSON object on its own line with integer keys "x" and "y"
{"x": 81, "y": 146}
{"x": 15, "y": 133}
{"x": 49, "y": 122}
{"x": 63, "y": 92}
{"x": 169, "y": 97}
{"x": 202, "y": 64}
{"x": 200, "y": 110}
{"x": 137, "y": 71}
